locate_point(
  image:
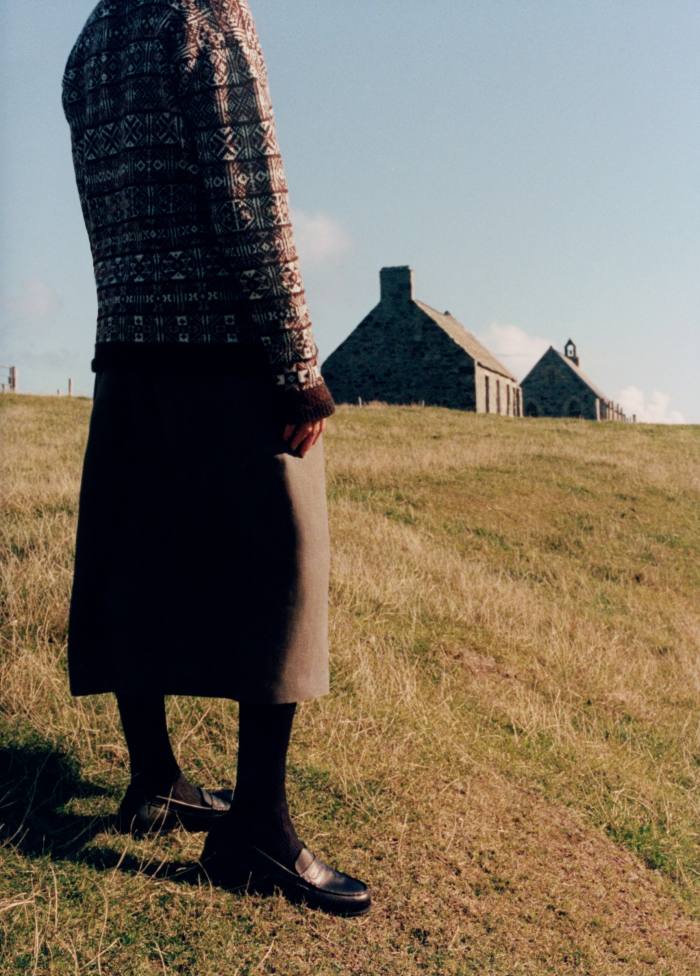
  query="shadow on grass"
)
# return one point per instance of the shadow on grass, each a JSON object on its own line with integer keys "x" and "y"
{"x": 36, "y": 783}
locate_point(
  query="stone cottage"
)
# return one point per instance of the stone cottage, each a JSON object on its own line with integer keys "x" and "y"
{"x": 557, "y": 387}
{"x": 404, "y": 351}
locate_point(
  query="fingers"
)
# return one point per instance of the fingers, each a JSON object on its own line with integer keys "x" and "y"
{"x": 304, "y": 438}
{"x": 316, "y": 436}
{"x": 305, "y": 435}
{"x": 299, "y": 435}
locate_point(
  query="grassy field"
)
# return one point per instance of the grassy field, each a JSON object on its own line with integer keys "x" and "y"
{"x": 510, "y": 754}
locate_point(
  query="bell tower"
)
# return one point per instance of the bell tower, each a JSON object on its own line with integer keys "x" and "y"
{"x": 570, "y": 352}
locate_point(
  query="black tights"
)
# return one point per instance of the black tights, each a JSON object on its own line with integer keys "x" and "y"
{"x": 259, "y": 809}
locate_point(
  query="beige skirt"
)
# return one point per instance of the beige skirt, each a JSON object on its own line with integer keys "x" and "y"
{"x": 202, "y": 547}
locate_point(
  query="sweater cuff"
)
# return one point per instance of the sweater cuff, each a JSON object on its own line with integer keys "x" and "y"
{"x": 298, "y": 406}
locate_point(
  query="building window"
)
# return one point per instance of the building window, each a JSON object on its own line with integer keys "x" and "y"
{"x": 487, "y": 382}
{"x": 498, "y": 396}
{"x": 508, "y": 401}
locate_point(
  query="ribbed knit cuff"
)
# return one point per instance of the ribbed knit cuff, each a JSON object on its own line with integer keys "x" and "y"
{"x": 297, "y": 406}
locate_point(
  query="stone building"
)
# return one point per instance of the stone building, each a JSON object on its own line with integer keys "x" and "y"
{"x": 557, "y": 387}
{"x": 404, "y": 351}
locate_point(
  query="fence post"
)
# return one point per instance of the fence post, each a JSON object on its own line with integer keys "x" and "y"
{"x": 11, "y": 384}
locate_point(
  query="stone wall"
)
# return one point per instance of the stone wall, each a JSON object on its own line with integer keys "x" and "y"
{"x": 497, "y": 394}
{"x": 398, "y": 354}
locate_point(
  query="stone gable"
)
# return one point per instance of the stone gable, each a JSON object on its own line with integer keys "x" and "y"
{"x": 556, "y": 387}
{"x": 404, "y": 351}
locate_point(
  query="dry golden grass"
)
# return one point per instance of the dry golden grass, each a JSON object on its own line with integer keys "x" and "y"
{"x": 510, "y": 754}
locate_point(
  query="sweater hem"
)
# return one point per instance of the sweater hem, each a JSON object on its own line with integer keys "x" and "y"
{"x": 306, "y": 405}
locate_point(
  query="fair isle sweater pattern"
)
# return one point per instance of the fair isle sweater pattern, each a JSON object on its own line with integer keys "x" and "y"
{"x": 183, "y": 190}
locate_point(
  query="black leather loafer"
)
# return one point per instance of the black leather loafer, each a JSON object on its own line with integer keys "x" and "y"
{"x": 238, "y": 865}
{"x": 141, "y": 815}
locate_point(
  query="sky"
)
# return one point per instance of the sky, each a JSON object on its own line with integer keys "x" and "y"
{"x": 536, "y": 162}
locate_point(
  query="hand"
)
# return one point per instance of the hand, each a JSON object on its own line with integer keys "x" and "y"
{"x": 305, "y": 435}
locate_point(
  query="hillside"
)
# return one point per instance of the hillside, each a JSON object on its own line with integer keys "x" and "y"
{"x": 510, "y": 754}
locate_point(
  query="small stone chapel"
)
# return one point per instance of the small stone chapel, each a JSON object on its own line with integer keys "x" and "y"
{"x": 556, "y": 386}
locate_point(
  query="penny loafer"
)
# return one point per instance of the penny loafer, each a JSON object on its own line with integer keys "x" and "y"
{"x": 138, "y": 814}
{"x": 230, "y": 864}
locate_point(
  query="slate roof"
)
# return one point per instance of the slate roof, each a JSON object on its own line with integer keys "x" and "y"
{"x": 465, "y": 339}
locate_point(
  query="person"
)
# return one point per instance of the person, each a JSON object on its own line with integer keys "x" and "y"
{"x": 202, "y": 541}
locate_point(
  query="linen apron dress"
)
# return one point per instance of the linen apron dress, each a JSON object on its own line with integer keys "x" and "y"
{"x": 202, "y": 544}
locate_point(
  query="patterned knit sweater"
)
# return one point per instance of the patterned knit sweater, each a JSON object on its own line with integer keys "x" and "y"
{"x": 184, "y": 196}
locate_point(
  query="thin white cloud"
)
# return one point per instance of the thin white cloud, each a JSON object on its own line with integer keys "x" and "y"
{"x": 320, "y": 239}
{"x": 518, "y": 350}
{"x": 655, "y": 409}
{"x": 34, "y": 300}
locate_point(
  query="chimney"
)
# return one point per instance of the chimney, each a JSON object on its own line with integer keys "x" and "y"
{"x": 396, "y": 284}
